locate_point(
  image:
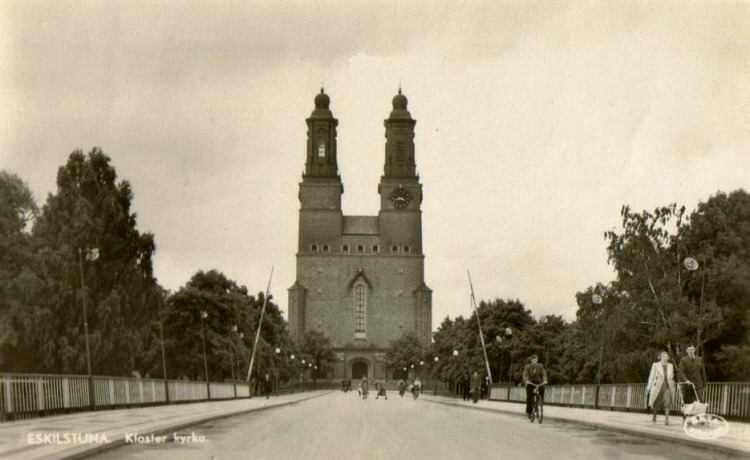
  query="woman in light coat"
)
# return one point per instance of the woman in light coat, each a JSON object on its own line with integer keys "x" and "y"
{"x": 660, "y": 386}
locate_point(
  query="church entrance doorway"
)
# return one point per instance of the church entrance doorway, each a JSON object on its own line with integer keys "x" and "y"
{"x": 359, "y": 370}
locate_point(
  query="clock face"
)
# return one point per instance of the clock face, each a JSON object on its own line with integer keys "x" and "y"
{"x": 400, "y": 198}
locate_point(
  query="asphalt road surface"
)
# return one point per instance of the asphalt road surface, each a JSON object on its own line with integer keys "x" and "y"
{"x": 342, "y": 426}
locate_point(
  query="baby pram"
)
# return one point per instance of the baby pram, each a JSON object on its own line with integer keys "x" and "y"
{"x": 697, "y": 422}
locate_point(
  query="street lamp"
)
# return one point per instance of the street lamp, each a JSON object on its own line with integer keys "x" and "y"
{"x": 91, "y": 256}
{"x": 434, "y": 371}
{"x": 276, "y": 372}
{"x": 234, "y": 332}
{"x": 204, "y": 315}
{"x": 292, "y": 375}
{"x": 692, "y": 265}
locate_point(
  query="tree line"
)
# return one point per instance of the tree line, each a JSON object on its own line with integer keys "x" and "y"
{"x": 679, "y": 279}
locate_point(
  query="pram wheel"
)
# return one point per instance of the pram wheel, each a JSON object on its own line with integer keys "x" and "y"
{"x": 705, "y": 426}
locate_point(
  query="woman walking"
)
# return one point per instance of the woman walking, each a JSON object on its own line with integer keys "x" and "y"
{"x": 660, "y": 386}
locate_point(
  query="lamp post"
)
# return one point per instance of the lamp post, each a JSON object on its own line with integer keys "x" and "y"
{"x": 455, "y": 355}
{"x": 234, "y": 333}
{"x": 91, "y": 256}
{"x": 434, "y": 372}
{"x": 204, "y": 315}
{"x": 276, "y": 372}
{"x": 509, "y": 333}
{"x": 163, "y": 355}
{"x": 498, "y": 341}
{"x": 692, "y": 265}
{"x": 293, "y": 366}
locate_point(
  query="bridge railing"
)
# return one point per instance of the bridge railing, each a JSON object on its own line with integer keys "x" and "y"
{"x": 729, "y": 400}
{"x": 37, "y": 395}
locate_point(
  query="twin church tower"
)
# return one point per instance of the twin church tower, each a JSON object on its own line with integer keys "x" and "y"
{"x": 360, "y": 279}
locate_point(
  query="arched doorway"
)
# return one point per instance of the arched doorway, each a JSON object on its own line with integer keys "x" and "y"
{"x": 359, "y": 370}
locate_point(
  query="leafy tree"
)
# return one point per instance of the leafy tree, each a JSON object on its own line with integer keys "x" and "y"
{"x": 718, "y": 237}
{"x": 315, "y": 348}
{"x": 404, "y": 352}
{"x": 17, "y": 210}
{"x": 89, "y": 215}
{"x": 229, "y": 329}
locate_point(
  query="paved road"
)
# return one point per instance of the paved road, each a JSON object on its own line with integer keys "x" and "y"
{"x": 341, "y": 426}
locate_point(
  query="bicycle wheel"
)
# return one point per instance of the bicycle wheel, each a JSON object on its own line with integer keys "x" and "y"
{"x": 534, "y": 409}
{"x": 541, "y": 409}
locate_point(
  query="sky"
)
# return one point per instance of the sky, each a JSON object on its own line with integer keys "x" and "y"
{"x": 536, "y": 122}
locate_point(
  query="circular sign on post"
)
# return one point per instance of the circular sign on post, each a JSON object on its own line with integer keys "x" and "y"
{"x": 597, "y": 299}
{"x": 690, "y": 263}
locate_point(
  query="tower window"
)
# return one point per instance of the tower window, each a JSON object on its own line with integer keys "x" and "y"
{"x": 321, "y": 149}
{"x": 314, "y": 248}
{"x": 406, "y": 248}
{"x": 400, "y": 152}
{"x": 359, "y": 310}
{"x": 360, "y": 248}
{"x": 394, "y": 249}
{"x": 326, "y": 248}
{"x": 376, "y": 248}
{"x": 345, "y": 248}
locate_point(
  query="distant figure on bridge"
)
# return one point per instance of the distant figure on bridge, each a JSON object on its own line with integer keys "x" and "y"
{"x": 401, "y": 387}
{"x": 363, "y": 387}
{"x": 346, "y": 384}
{"x": 465, "y": 384}
{"x": 693, "y": 371}
{"x": 476, "y": 386}
{"x": 267, "y": 385}
{"x": 533, "y": 373}
{"x": 416, "y": 387}
{"x": 660, "y": 386}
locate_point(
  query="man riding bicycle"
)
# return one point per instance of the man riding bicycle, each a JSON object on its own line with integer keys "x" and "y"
{"x": 535, "y": 374}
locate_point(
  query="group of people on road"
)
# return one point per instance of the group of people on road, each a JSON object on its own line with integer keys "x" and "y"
{"x": 364, "y": 388}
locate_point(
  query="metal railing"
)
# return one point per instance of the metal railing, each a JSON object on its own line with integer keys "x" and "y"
{"x": 729, "y": 400}
{"x": 28, "y": 395}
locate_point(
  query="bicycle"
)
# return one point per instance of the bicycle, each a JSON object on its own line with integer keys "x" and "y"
{"x": 537, "y": 403}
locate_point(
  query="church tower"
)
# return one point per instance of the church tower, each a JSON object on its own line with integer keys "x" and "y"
{"x": 360, "y": 279}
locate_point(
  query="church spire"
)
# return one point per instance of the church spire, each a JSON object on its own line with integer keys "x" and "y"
{"x": 399, "y": 145}
{"x": 321, "y": 140}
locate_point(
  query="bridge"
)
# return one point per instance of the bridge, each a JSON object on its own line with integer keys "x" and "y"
{"x": 332, "y": 424}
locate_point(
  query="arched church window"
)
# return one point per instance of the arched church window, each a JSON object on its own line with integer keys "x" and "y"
{"x": 360, "y": 310}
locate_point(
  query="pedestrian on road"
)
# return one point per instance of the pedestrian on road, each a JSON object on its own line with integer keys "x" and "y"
{"x": 401, "y": 387}
{"x": 692, "y": 370}
{"x": 533, "y": 373}
{"x": 363, "y": 387}
{"x": 476, "y": 384}
{"x": 466, "y": 386}
{"x": 660, "y": 386}
{"x": 416, "y": 387}
{"x": 267, "y": 385}
{"x": 381, "y": 391}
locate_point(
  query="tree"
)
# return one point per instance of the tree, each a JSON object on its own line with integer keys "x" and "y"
{"x": 718, "y": 238}
{"x": 88, "y": 215}
{"x": 315, "y": 347}
{"x": 232, "y": 318}
{"x": 17, "y": 210}
{"x": 405, "y": 352}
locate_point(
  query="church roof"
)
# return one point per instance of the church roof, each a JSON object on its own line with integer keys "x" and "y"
{"x": 360, "y": 225}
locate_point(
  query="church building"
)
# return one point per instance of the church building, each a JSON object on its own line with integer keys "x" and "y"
{"x": 360, "y": 279}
